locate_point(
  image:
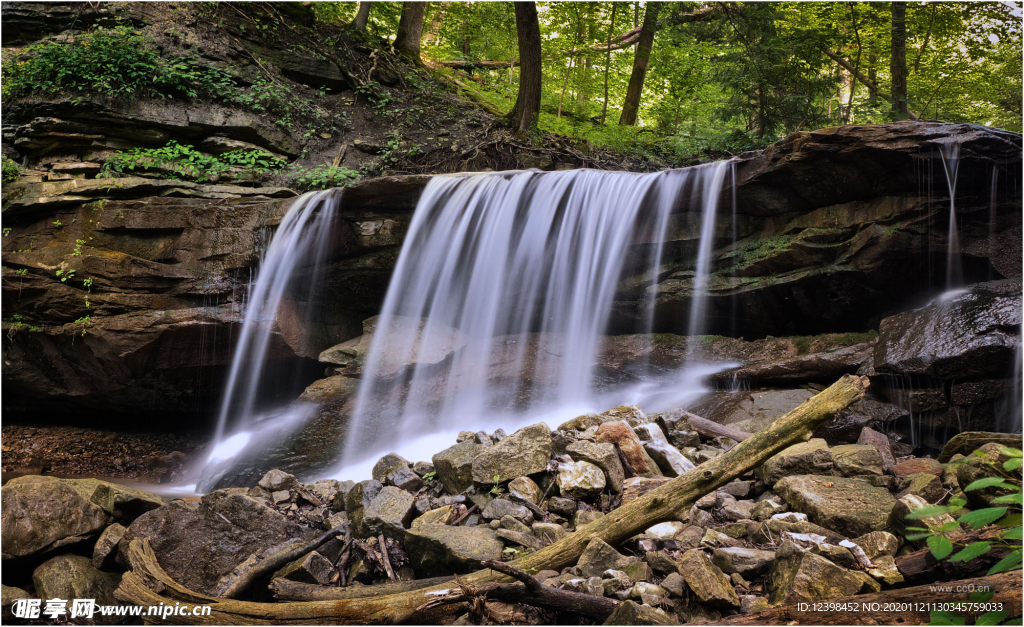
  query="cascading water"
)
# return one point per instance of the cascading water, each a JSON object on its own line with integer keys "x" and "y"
{"x": 709, "y": 210}
{"x": 503, "y": 291}
{"x": 954, "y": 267}
{"x": 300, "y": 245}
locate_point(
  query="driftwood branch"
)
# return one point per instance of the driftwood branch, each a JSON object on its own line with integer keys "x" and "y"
{"x": 288, "y": 590}
{"x": 661, "y": 504}
{"x": 710, "y": 429}
{"x": 906, "y": 606}
{"x": 255, "y": 567}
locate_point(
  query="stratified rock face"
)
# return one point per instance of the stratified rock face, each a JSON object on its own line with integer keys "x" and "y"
{"x": 198, "y": 543}
{"x": 971, "y": 334}
{"x": 40, "y": 517}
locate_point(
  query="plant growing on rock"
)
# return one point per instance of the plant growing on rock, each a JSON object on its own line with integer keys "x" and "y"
{"x": 11, "y": 171}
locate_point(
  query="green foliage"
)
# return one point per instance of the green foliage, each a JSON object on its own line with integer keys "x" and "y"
{"x": 428, "y": 477}
{"x": 64, "y": 276}
{"x": 17, "y": 323}
{"x": 11, "y": 170}
{"x": 82, "y": 324}
{"x": 322, "y": 177}
{"x": 118, "y": 62}
{"x": 178, "y": 161}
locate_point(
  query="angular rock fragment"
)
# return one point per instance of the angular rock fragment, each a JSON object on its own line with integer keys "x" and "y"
{"x": 850, "y": 506}
{"x": 708, "y": 583}
{"x": 525, "y": 452}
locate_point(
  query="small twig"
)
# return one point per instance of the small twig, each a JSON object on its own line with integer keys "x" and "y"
{"x": 386, "y": 559}
{"x": 531, "y": 583}
{"x": 463, "y": 517}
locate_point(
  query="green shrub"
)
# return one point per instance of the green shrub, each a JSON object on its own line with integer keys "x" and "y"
{"x": 179, "y": 161}
{"x": 11, "y": 170}
{"x": 116, "y": 62}
{"x": 322, "y": 177}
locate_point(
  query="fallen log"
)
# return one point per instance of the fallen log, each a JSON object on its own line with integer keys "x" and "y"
{"x": 922, "y": 565}
{"x": 140, "y": 585}
{"x": 710, "y": 429}
{"x": 255, "y": 566}
{"x": 287, "y": 590}
{"x": 905, "y": 606}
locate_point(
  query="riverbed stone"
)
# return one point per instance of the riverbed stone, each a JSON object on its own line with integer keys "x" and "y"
{"x": 674, "y": 583}
{"x": 878, "y": 543}
{"x": 984, "y": 462}
{"x": 850, "y": 506}
{"x": 358, "y": 499}
{"x": 389, "y": 513}
{"x": 925, "y": 485}
{"x": 74, "y": 577}
{"x": 635, "y": 487}
{"x": 807, "y": 458}
{"x": 604, "y": 456}
{"x": 669, "y": 459}
{"x": 622, "y": 436}
{"x": 632, "y": 613}
{"x": 857, "y": 459}
{"x": 799, "y": 576}
{"x": 708, "y": 583}
{"x": 276, "y": 480}
{"x": 526, "y": 487}
{"x": 581, "y": 480}
{"x": 499, "y": 508}
{"x": 437, "y": 550}
{"x": 675, "y": 423}
{"x": 525, "y": 452}
{"x": 744, "y": 561}
{"x": 42, "y": 517}
{"x": 599, "y": 556}
{"x": 440, "y": 516}
{"x": 584, "y": 517}
{"x": 104, "y": 554}
{"x": 8, "y": 596}
{"x": 916, "y": 465}
{"x": 386, "y": 465}
{"x": 908, "y": 503}
{"x": 454, "y": 465}
{"x": 311, "y": 568}
{"x": 549, "y": 533}
{"x": 771, "y": 530}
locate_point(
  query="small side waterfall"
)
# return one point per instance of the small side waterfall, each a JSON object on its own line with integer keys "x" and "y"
{"x": 300, "y": 244}
{"x": 954, "y": 265}
{"x": 709, "y": 210}
{"x": 510, "y": 279}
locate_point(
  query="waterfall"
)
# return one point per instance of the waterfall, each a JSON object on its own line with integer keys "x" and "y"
{"x": 709, "y": 209}
{"x": 503, "y": 290}
{"x": 300, "y": 244}
{"x": 954, "y": 267}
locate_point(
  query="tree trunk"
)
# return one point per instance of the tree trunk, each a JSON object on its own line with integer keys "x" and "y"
{"x": 608, "y": 62}
{"x": 905, "y": 606}
{"x": 640, "y": 60}
{"x": 866, "y": 81}
{"x": 898, "y": 62}
{"x": 362, "y": 16}
{"x": 565, "y": 85}
{"x": 523, "y": 116}
{"x": 410, "y": 29}
{"x": 663, "y": 503}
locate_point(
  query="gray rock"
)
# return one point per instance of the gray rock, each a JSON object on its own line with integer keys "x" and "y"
{"x": 527, "y": 540}
{"x": 639, "y": 571}
{"x": 898, "y": 521}
{"x": 674, "y": 584}
{"x": 510, "y": 523}
{"x": 358, "y": 499}
{"x": 604, "y": 456}
{"x": 580, "y": 479}
{"x": 73, "y": 577}
{"x": 123, "y": 503}
{"x": 525, "y": 452}
{"x": 878, "y": 543}
{"x": 665, "y": 530}
{"x": 501, "y": 507}
{"x": 527, "y": 488}
{"x": 386, "y": 465}
{"x": 761, "y": 409}
{"x": 799, "y": 576}
{"x": 404, "y": 478}
{"x": 599, "y": 556}
{"x": 310, "y": 568}
{"x": 562, "y": 506}
{"x": 708, "y": 583}
{"x": 807, "y": 458}
{"x": 389, "y": 513}
{"x": 766, "y": 509}
{"x": 441, "y": 516}
{"x": 437, "y": 550}
{"x": 104, "y": 554}
{"x": 746, "y": 562}
{"x": 669, "y": 459}
{"x": 631, "y": 613}
{"x": 454, "y": 465}
{"x": 922, "y": 484}
{"x": 277, "y": 480}
{"x": 750, "y": 604}
{"x": 770, "y": 531}
{"x": 857, "y": 459}
{"x": 584, "y": 517}
{"x": 739, "y": 510}
{"x": 549, "y": 533}
{"x": 199, "y": 542}
{"x": 42, "y": 517}
{"x": 8, "y": 596}
{"x": 660, "y": 563}
{"x": 422, "y": 468}
{"x": 849, "y": 506}
{"x": 675, "y": 423}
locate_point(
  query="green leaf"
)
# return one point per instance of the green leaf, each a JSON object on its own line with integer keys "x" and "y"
{"x": 1009, "y": 562}
{"x": 1013, "y": 463}
{"x": 987, "y": 482}
{"x": 946, "y": 618}
{"x": 992, "y": 618}
{"x": 971, "y": 551}
{"x": 1013, "y": 534}
{"x": 981, "y": 517}
{"x": 917, "y": 536}
{"x": 940, "y": 546}
{"x": 928, "y": 512}
{"x": 1012, "y": 452}
{"x": 1010, "y": 520}
{"x": 1008, "y": 498}
{"x": 982, "y": 596}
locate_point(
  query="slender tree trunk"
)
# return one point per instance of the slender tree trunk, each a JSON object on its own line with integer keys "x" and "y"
{"x": 523, "y": 116}
{"x": 898, "y": 62}
{"x": 608, "y": 62}
{"x": 410, "y": 29}
{"x": 640, "y": 60}
{"x": 362, "y": 16}
{"x": 465, "y": 30}
{"x": 565, "y": 84}
{"x": 511, "y": 67}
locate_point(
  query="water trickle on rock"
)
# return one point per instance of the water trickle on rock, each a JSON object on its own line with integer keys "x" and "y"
{"x": 954, "y": 266}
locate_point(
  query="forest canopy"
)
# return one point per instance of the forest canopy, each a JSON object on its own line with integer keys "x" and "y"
{"x": 727, "y": 76}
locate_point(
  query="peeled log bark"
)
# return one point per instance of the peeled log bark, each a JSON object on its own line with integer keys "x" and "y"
{"x": 657, "y": 506}
{"x": 287, "y": 590}
{"x": 710, "y": 429}
{"x": 907, "y": 606}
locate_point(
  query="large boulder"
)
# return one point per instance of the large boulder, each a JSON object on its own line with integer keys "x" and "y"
{"x": 71, "y": 577}
{"x": 454, "y": 465}
{"x": 600, "y": 556}
{"x": 603, "y": 456}
{"x": 124, "y": 503}
{"x": 669, "y": 459}
{"x": 199, "y": 542}
{"x": 973, "y": 333}
{"x": 389, "y": 513}
{"x": 525, "y": 452}
{"x": 708, "y": 583}
{"x": 41, "y": 517}
{"x": 440, "y": 549}
{"x": 619, "y": 433}
{"x": 800, "y": 576}
{"x": 580, "y": 480}
{"x": 850, "y": 506}
{"x": 807, "y": 458}
{"x": 407, "y": 342}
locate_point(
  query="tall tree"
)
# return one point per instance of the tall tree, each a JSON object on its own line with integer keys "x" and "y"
{"x": 640, "y": 61}
{"x": 410, "y": 29}
{"x": 362, "y": 16}
{"x": 608, "y": 62}
{"x": 898, "y": 60}
{"x": 523, "y": 116}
